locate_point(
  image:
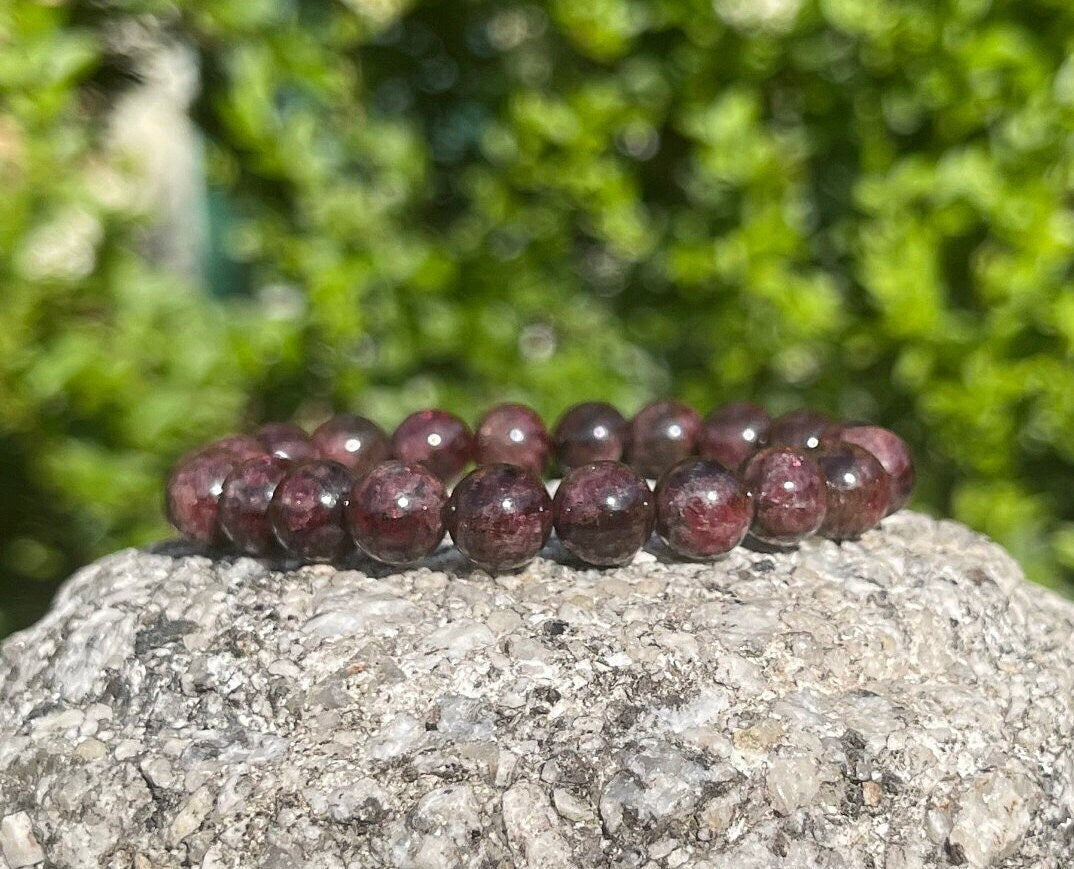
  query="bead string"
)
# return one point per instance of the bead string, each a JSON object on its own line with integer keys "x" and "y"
{"x": 733, "y": 473}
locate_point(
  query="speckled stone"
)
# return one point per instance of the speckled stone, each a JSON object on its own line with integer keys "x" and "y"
{"x": 662, "y": 434}
{"x": 603, "y": 513}
{"x": 904, "y": 700}
{"x": 859, "y": 490}
{"x": 789, "y": 492}
{"x": 244, "y": 503}
{"x": 802, "y": 429}
{"x": 592, "y": 431}
{"x": 354, "y": 441}
{"x": 437, "y": 439}
{"x": 307, "y": 511}
{"x": 702, "y": 509}
{"x": 732, "y": 433}
{"x": 892, "y": 452}
{"x": 192, "y": 491}
{"x": 287, "y": 441}
{"x": 513, "y": 434}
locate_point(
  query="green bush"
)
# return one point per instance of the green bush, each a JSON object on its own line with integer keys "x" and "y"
{"x": 861, "y": 205}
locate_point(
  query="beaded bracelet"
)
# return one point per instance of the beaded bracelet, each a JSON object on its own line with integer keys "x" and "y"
{"x": 736, "y": 472}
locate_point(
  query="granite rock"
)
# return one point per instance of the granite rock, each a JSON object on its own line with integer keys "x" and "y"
{"x": 900, "y": 701}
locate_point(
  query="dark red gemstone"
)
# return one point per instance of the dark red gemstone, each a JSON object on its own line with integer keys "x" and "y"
{"x": 859, "y": 490}
{"x": 789, "y": 495}
{"x": 500, "y": 516}
{"x": 892, "y": 452}
{"x": 803, "y": 429}
{"x": 396, "y": 512}
{"x": 434, "y": 438}
{"x": 241, "y": 446}
{"x": 603, "y": 513}
{"x": 284, "y": 440}
{"x": 354, "y": 441}
{"x": 702, "y": 510}
{"x": 732, "y": 433}
{"x": 513, "y": 434}
{"x": 192, "y": 493}
{"x": 590, "y": 432}
{"x": 662, "y": 434}
{"x": 244, "y": 504}
{"x": 307, "y": 510}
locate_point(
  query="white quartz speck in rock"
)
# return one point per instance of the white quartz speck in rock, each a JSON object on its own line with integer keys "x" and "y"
{"x": 903, "y": 701}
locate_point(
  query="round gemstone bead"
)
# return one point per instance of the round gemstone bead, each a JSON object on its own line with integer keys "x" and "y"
{"x": 396, "y": 512}
{"x": 353, "y": 441}
{"x": 892, "y": 452}
{"x": 192, "y": 493}
{"x": 603, "y": 513}
{"x": 702, "y": 510}
{"x": 307, "y": 510}
{"x": 662, "y": 434}
{"x": 241, "y": 446}
{"x": 590, "y": 432}
{"x": 284, "y": 440}
{"x": 789, "y": 495}
{"x": 732, "y": 433}
{"x": 434, "y": 438}
{"x": 512, "y": 434}
{"x": 244, "y": 503}
{"x": 858, "y": 490}
{"x": 500, "y": 516}
{"x": 802, "y": 429}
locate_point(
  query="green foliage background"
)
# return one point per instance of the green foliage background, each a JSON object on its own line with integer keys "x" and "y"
{"x": 862, "y": 205}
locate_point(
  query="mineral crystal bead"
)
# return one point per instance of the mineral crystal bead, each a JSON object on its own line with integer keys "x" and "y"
{"x": 193, "y": 490}
{"x": 396, "y": 512}
{"x": 789, "y": 495}
{"x": 892, "y": 452}
{"x": 803, "y": 429}
{"x": 307, "y": 510}
{"x": 702, "y": 510}
{"x": 590, "y": 432}
{"x": 733, "y": 433}
{"x": 513, "y": 434}
{"x": 244, "y": 503}
{"x": 859, "y": 490}
{"x": 434, "y": 438}
{"x": 354, "y": 441}
{"x": 500, "y": 516}
{"x": 241, "y": 446}
{"x": 287, "y": 441}
{"x": 662, "y": 434}
{"x": 603, "y": 513}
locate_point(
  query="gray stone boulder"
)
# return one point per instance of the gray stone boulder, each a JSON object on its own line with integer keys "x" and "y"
{"x": 901, "y": 701}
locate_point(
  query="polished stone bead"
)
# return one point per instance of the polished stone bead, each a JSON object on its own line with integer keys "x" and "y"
{"x": 354, "y": 441}
{"x": 859, "y": 490}
{"x": 307, "y": 510}
{"x": 193, "y": 490}
{"x": 789, "y": 495}
{"x": 500, "y": 516}
{"x": 802, "y": 429}
{"x": 662, "y": 434}
{"x": 590, "y": 432}
{"x": 512, "y": 434}
{"x": 287, "y": 441}
{"x": 702, "y": 510}
{"x": 603, "y": 513}
{"x": 434, "y": 438}
{"x": 395, "y": 513}
{"x": 241, "y": 446}
{"x": 732, "y": 433}
{"x": 244, "y": 503}
{"x": 892, "y": 452}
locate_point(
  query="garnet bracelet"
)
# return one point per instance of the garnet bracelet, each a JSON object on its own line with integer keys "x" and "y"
{"x": 733, "y": 473}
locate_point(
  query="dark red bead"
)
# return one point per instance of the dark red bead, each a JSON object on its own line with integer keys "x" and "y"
{"x": 803, "y": 429}
{"x": 284, "y": 440}
{"x": 396, "y": 512}
{"x": 434, "y": 438}
{"x": 307, "y": 510}
{"x": 192, "y": 493}
{"x": 513, "y": 434}
{"x": 500, "y": 516}
{"x": 244, "y": 504}
{"x": 892, "y": 452}
{"x": 241, "y": 446}
{"x": 702, "y": 510}
{"x": 732, "y": 433}
{"x": 590, "y": 432}
{"x": 859, "y": 490}
{"x": 603, "y": 513}
{"x": 789, "y": 495}
{"x": 354, "y": 441}
{"x": 662, "y": 434}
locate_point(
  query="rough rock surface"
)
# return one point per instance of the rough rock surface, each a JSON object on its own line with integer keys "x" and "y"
{"x": 897, "y": 702}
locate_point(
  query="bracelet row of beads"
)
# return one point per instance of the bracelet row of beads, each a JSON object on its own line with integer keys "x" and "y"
{"x": 735, "y": 472}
